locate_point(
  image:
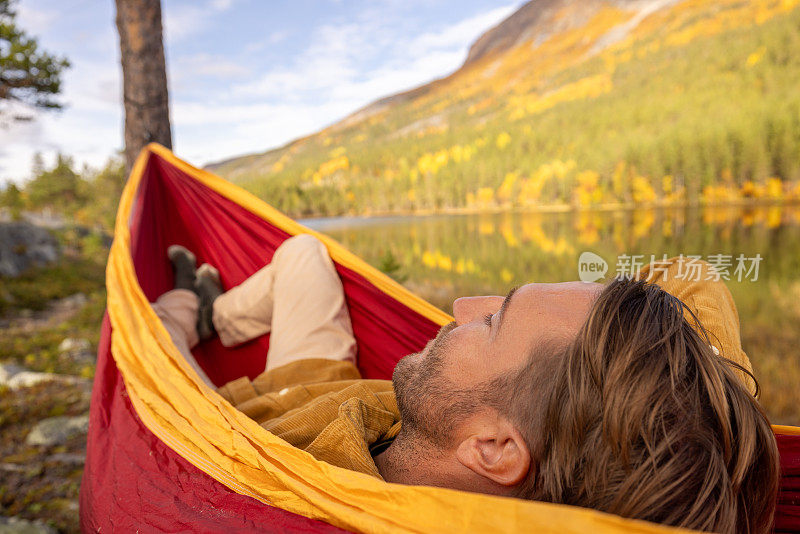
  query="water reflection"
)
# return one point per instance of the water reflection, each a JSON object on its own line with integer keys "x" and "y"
{"x": 444, "y": 257}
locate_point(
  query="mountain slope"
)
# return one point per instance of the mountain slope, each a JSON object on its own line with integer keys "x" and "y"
{"x": 637, "y": 101}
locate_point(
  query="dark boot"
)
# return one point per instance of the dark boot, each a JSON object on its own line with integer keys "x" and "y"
{"x": 208, "y": 287}
{"x": 184, "y": 264}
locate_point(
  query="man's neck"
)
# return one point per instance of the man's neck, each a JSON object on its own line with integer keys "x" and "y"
{"x": 395, "y": 463}
{"x": 390, "y": 463}
{"x": 420, "y": 463}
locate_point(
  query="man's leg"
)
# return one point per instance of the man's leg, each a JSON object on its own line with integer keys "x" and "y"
{"x": 299, "y": 298}
{"x": 177, "y": 310}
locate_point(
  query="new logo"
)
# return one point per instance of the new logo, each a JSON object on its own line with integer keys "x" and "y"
{"x": 591, "y": 267}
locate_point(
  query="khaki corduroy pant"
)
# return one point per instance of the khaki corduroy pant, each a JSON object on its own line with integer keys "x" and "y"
{"x": 298, "y": 297}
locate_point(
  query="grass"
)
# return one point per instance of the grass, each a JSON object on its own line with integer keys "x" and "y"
{"x": 37, "y": 350}
{"x": 40, "y": 487}
{"x": 37, "y": 288}
{"x": 33, "y": 329}
{"x": 33, "y": 484}
{"x": 770, "y": 337}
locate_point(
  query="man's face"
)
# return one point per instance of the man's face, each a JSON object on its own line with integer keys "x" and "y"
{"x": 491, "y": 337}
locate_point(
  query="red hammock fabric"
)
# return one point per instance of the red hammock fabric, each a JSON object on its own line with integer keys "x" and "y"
{"x": 132, "y": 481}
{"x": 174, "y": 208}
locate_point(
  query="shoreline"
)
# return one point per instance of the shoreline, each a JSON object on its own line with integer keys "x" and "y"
{"x": 553, "y": 208}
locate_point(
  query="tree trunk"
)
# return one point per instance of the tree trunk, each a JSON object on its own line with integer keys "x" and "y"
{"x": 144, "y": 76}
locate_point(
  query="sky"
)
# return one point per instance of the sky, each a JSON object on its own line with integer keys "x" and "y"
{"x": 244, "y": 75}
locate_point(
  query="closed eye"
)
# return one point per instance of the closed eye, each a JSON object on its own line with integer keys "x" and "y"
{"x": 488, "y": 320}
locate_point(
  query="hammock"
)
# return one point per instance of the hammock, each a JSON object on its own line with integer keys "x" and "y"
{"x": 166, "y": 453}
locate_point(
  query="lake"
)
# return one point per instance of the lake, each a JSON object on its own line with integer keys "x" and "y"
{"x": 442, "y": 257}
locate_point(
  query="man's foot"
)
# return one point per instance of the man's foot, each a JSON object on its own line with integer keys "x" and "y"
{"x": 184, "y": 264}
{"x": 208, "y": 287}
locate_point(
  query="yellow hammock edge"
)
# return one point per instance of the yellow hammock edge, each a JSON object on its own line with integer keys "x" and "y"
{"x": 207, "y": 431}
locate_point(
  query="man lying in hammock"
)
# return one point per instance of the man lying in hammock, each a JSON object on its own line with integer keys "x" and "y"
{"x": 598, "y": 396}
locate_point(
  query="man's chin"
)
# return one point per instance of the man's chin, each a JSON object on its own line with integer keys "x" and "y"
{"x": 406, "y": 368}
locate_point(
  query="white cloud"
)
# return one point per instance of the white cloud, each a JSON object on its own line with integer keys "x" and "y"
{"x": 181, "y": 20}
{"x": 327, "y": 62}
{"x": 92, "y": 86}
{"x": 16, "y": 142}
{"x": 331, "y": 67}
{"x": 344, "y": 66}
{"x": 221, "y": 5}
{"x": 326, "y": 82}
{"x": 460, "y": 33}
{"x": 247, "y": 128}
{"x": 278, "y": 36}
{"x": 35, "y": 21}
{"x": 84, "y": 138}
{"x": 88, "y": 128}
{"x": 272, "y": 39}
{"x": 88, "y": 140}
{"x": 184, "y": 72}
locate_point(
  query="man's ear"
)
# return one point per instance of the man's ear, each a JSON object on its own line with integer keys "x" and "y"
{"x": 496, "y": 450}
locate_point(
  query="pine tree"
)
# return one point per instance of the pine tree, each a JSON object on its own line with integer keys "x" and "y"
{"x": 29, "y": 77}
{"x": 58, "y": 188}
{"x": 11, "y": 198}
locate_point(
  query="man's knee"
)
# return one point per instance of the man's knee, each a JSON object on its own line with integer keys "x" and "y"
{"x": 301, "y": 245}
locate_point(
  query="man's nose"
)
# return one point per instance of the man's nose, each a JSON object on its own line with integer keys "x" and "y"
{"x": 467, "y": 309}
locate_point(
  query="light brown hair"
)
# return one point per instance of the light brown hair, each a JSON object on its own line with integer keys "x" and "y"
{"x": 641, "y": 418}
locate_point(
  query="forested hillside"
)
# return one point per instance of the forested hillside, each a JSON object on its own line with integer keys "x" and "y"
{"x": 596, "y": 103}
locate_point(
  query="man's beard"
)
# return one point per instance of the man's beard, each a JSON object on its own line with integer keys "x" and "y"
{"x": 428, "y": 402}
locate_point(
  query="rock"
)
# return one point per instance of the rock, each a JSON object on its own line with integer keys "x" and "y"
{"x": 45, "y": 218}
{"x": 15, "y": 376}
{"x": 23, "y": 245}
{"x": 13, "y": 468}
{"x": 68, "y": 458}
{"x": 72, "y": 344}
{"x": 6, "y": 296}
{"x": 78, "y": 349}
{"x": 57, "y": 430}
{"x": 7, "y": 371}
{"x": 26, "y": 379}
{"x": 30, "y": 469}
{"x": 15, "y": 525}
{"x": 73, "y": 301}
